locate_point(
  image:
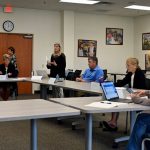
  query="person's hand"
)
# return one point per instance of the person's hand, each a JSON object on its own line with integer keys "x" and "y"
{"x": 79, "y": 79}
{"x": 54, "y": 63}
{"x": 138, "y": 94}
{"x": 9, "y": 74}
{"x": 1, "y": 72}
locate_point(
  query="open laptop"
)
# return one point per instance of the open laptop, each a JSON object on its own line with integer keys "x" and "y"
{"x": 111, "y": 94}
{"x": 42, "y": 73}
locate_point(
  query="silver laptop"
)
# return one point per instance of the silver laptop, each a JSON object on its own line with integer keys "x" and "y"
{"x": 42, "y": 73}
{"x": 111, "y": 94}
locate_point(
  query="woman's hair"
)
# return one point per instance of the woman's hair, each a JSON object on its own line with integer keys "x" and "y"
{"x": 12, "y": 49}
{"x": 133, "y": 61}
{"x": 6, "y": 56}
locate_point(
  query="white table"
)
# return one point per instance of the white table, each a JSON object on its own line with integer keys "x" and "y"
{"x": 32, "y": 110}
{"x": 80, "y": 102}
{"x": 66, "y": 84}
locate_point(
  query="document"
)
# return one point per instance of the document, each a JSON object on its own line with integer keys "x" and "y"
{"x": 36, "y": 78}
{"x": 105, "y": 104}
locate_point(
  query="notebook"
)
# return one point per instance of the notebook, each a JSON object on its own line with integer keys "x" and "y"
{"x": 111, "y": 94}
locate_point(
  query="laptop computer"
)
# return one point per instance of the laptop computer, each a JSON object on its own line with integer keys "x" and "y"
{"x": 42, "y": 73}
{"x": 111, "y": 94}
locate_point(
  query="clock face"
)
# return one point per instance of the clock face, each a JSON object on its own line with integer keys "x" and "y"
{"x": 8, "y": 26}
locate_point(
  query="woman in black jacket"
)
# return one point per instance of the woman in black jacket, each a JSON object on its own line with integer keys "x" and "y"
{"x": 57, "y": 64}
{"x": 134, "y": 78}
{"x": 7, "y": 68}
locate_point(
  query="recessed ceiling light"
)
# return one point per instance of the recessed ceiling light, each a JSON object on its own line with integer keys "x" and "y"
{"x": 80, "y": 1}
{"x": 138, "y": 7}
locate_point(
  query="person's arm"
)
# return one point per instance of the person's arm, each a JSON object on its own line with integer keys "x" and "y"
{"x": 50, "y": 65}
{"x": 142, "y": 101}
{"x": 81, "y": 79}
{"x": 12, "y": 72}
{"x": 99, "y": 75}
{"x": 126, "y": 80}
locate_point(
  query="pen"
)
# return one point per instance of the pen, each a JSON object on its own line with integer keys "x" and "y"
{"x": 106, "y": 102}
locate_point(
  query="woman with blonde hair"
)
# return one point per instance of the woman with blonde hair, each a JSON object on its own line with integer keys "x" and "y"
{"x": 134, "y": 78}
{"x": 7, "y": 68}
{"x": 57, "y": 64}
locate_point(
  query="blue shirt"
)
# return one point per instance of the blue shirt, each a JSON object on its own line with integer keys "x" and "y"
{"x": 93, "y": 75}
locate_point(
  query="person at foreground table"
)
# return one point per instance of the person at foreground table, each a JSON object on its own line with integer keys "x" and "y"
{"x": 134, "y": 78}
{"x": 7, "y": 68}
{"x": 94, "y": 73}
{"x": 142, "y": 124}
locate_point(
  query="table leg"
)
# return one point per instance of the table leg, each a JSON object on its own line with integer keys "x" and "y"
{"x": 43, "y": 91}
{"x": 33, "y": 134}
{"x": 88, "y": 142}
{"x": 115, "y": 78}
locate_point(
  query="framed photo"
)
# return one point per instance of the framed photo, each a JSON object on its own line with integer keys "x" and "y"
{"x": 146, "y": 41}
{"x": 114, "y": 36}
{"x": 87, "y": 48}
{"x": 147, "y": 62}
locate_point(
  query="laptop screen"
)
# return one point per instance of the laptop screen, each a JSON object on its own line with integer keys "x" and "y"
{"x": 109, "y": 90}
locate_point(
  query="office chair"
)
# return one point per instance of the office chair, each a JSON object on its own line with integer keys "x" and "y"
{"x": 105, "y": 74}
{"x": 146, "y": 138}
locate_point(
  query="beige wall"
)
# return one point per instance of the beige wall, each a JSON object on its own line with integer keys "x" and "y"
{"x": 141, "y": 25}
{"x": 93, "y": 27}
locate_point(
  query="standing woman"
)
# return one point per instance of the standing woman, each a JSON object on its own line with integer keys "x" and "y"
{"x": 57, "y": 64}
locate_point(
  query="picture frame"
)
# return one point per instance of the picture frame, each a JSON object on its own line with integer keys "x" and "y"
{"x": 114, "y": 36}
{"x": 145, "y": 41}
{"x": 147, "y": 62}
{"x": 87, "y": 48}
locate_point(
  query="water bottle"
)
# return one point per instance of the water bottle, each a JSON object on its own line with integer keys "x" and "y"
{"x": 57, "y": 78}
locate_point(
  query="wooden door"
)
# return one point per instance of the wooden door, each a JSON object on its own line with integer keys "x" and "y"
{"x": 23, "y": 51}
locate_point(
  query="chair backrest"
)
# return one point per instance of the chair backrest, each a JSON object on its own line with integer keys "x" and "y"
{"x": 77, "y": 73}
{"x": 70, "y": 76}
{"x": 105, "y": 74}
{"x": 147, "y": 82}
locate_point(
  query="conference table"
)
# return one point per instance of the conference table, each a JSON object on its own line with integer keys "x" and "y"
{"x": 90, "y": 87}
{"x": 93, "y": 105}
{"x": 32, "y": 110}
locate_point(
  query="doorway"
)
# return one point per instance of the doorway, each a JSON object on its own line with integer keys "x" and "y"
{"x": 23, "y": 44}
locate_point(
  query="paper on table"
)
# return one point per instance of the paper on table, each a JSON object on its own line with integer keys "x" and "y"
{"x": 105, "y": 104}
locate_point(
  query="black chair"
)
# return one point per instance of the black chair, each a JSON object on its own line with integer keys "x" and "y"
{"x": 77, "y": 73}
{"x": 105, "y": 74}
{"x": 147, "y": 82}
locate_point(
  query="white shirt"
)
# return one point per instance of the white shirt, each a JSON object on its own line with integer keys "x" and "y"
{"x": 132, "y": 80}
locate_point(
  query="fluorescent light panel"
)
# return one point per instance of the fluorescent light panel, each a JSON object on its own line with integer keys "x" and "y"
{"x": 138, "y": 7}
{"x": 80, "y": 1}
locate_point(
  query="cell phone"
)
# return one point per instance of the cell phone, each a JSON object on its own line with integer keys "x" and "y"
{"x": 130, "y": 90}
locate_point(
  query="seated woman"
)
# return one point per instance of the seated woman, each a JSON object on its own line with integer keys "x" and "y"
{"x": 134, "y": 78}
{"x": 6, "y": 68}
{"x": 142, "y": 124}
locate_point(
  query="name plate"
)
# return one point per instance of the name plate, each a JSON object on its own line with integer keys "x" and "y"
{"x": 3, "y": 77}
{"x": 52, "y": 80}
{"x": 36, "y": 78}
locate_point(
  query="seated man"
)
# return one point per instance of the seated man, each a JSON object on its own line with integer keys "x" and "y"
{"x": 6, "y": 68}
{"x": 142, "y": 124}
{"x": 94, "y": 73}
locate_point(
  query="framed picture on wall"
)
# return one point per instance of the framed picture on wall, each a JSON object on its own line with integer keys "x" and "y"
{"x": 114, "y": 36}
{"x": 146, "y": 41}
{"x": 147, "y": 62}
{"x": 87, "y": 48}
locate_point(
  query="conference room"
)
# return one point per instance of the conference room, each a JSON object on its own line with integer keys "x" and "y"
{"x": 47, "y": 48}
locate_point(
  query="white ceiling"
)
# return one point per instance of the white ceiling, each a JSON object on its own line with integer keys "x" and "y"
{"x": 115, "y": 8}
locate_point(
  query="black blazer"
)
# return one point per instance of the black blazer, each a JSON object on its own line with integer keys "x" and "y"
{"x": 138, "y": 82}
{"x": 60, "y": 68}
{"x": 11, "y": 69}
